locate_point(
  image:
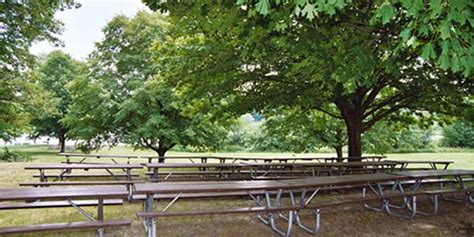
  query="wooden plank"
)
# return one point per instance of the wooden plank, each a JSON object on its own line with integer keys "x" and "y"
{"x": 85, "y": 175}
{"x": 112, "y": 182}
{"x": 227, "y": 186}
{"x": 433, "y": 173}
{"x": 64, "y": 226}
{"x": 76, "y": 192}
{"x": 50, "y": 204}
{"x": 83, "y": 166}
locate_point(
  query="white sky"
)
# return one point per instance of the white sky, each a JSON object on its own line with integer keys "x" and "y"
{"x": 83, "y": 26}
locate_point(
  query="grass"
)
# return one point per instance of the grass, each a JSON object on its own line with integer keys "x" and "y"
{"x": 345, "y": 220}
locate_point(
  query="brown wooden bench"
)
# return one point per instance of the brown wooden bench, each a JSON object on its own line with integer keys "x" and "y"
{"x": 73, "y": 183}
{"x": 61, "y": 197}
{"x": 64, "y": 226}
{"x": 50, "y": 204}
{"x": 84, "y": 176}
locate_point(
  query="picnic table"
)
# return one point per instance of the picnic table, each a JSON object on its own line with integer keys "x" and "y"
{"x": 220, "y": 159}
{"x": 271, "y": 202}
{"x": 260, "y": 170}
{"x": 433, "y": 164}
{"x": 129, "y": 157}
{"x": 66, "y": 170}
{"x": 234, "y": 159}
{"x": 71, "y": 196}
{"x": 306, "y": 186}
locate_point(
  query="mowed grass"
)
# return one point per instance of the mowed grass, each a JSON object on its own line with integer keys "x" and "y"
{"x": 340, "y": 221}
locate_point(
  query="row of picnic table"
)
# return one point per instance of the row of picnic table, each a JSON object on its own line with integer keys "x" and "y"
{"x": 232, "y": 180}
{"x": 268, "y": 196}
{"x": 219, "y": 159}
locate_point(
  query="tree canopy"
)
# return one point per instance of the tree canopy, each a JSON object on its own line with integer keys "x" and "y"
{"x": 124, "y": 97}
{"x": 55, "y": 71}
{"x": 355, "y": 64}
{"x": 23, "y": 22}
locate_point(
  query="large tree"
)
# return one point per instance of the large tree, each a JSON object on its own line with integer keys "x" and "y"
{"x": 125, "y": 99}
{"x": 55, "y": 71}
{"x": 371, "y": 61}
{"x": 23, "y": 22}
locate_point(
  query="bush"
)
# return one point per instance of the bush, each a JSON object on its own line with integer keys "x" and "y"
{"x": 8, "y": 156}
{"x": 459, "y": 134}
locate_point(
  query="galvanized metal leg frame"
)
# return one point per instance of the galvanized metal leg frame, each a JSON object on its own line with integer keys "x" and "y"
{"x": 305, "y": 201}
{"x": 408, "y": 202}
{"x": 150, "y": 223}
{"x": 270, "y": 218}
{"x": 468, "y": 195}
{"x": 100, "y": 213}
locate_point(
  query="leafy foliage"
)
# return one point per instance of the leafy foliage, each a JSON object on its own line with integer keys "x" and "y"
{"x": 349, "y": 60}
{"x": 125, "y": 98}
{"x": 459, "y": 134}
{"x": 54, "y": 72}
{"x": 9, "y": 156}
{"x": 23, "y": 22}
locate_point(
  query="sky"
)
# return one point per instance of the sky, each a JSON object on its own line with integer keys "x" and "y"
{"x": 83, "y": 26}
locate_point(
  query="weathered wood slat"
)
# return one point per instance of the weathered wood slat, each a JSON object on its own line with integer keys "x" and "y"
{"x": 73, "y": 183}
{"x": 63, "y": 226}
{"x": 50, "y": 204}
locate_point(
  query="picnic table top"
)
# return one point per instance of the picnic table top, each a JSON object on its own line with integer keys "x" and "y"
{"x": 83, "y": 192}
{"x": 83, "y": 166}
{"x": 191, "y": 165}
{"x": 130, "y": 156}
{"x": 294, "y": 158}
{"x": 433, "y": 173}
{"x": 227, "y": 186}
{"x": 423, "y": 161}
{"x": 337, "y": 164}
{"x": 253, "y": 164}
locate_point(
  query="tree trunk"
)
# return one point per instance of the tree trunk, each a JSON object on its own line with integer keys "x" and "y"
{"x": 62, "y": 142}
{"x": 161, "y": 155}
{"x": 354, "y": 134}
{"x": 339, "y": 153}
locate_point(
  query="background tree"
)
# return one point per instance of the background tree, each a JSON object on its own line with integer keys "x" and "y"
{"x": 125, "y": 99}
{"x": 23, "y": 22}
{"x": 54, "y": 72}
{"x": 458, "y": 134}
{"x": 305, "y": 130}
{"x": 361, "y": 60}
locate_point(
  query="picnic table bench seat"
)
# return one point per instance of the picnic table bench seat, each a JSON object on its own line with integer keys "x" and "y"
{"x": 49, "y": 197}
{"x": 64, "y": 226}
{"x": 72, "y": 183}
{"x": 84, "y": 176}
{"x": 50, "y": 204}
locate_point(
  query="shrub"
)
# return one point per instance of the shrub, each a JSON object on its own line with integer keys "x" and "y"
{"x": 459, "y": 134}
{"x": 9, "y": 156}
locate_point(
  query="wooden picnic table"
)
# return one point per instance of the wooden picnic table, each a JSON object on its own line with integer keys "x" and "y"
{"x": 66, "y": 168}
{"x": 220, "y": 159}
{"x": 284, "y": 186}
{"x": 226, "y": 170}
{"x": 69, "y": 195}
{"x": 432, "y": 163}
{"x": 372, "y": 182}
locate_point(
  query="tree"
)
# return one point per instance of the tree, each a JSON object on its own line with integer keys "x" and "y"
{"x": 23, "y": 22}
{"x": 459, "y": 134}
{"x": 305, "y": 130}
{"x": 54, "y": 72}
{"x": 362, "y": 60}
{"x": 125, "y": 99}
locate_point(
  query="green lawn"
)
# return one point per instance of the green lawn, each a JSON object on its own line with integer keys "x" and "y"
{"x": 13, "y": 173}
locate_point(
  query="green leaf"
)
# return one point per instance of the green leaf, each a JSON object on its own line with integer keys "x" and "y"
{"x": 263, "y": 7}
{"x": 444, "y": 61}
{"x": 386, "y": 12}
{"x": 428, "y": 51}
{"x": 309, "y": 11}
{"x": 405, "y": 34}
{"x": 445, "y": 30}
